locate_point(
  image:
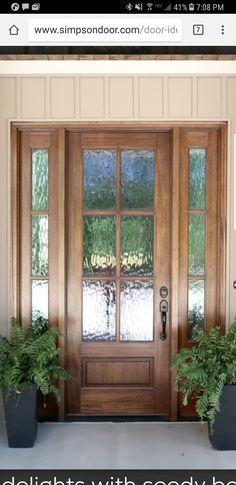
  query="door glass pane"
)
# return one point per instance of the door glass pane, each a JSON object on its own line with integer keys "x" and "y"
{"x": 137, "y": 179}
{"x": 99, "y": 245}
{"x": 196, "y": 244}
{"x": 99, "y": 179}
{"x": 196, "y": 295}
{"x": 40, "y": 179}
{"x": 197, "y": 178}
{"x": 99, "y": 310}
{"x": 137, "y": 235}
{"x": 136, "y": 320}
{"x": 39, "y": 301}
{"x": 40, "y": 245}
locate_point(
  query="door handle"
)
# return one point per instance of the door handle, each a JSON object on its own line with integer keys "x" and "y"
{"x": 163, "y": 310}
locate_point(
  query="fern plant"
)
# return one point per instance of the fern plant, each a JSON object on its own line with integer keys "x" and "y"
{"x": 29, "y": 357}
{"x": 204, "y": 369}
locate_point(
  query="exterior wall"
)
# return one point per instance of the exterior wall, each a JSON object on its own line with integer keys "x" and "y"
{"x": 98, "y": 97}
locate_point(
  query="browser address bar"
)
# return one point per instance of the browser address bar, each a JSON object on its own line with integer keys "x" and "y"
{"x": 105, "y": 30}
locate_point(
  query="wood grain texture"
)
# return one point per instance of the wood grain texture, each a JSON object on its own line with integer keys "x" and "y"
{"x": 212, "y": 249}
{"x": 61, "y": 263}
{"x": 117, "y": 372}
{"x": 222, "y": 228}
{"x": 159, "y": 353}
{"x": 74, "y": 201}
{"x": 174, "y": 303}
{"x": 170, "y": 253}
{"x": 28, "y": 140}
{"x": 15, "y": 220}
{"x": 117, "y": 401}
{"x": 25, "y": 228}
{"x": 162, "y": 270}
{"x": 215, "y": 233}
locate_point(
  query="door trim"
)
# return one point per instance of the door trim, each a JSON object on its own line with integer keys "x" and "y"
{"x": 61, "y": 128}
{"x": 174, "y": 315}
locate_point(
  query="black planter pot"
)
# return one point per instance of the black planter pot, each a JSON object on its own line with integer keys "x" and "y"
{"x": 224, "y": 435}
{"x": 21, "y": 417}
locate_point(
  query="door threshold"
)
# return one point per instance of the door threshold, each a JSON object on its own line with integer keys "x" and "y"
{"x": 117, "y": 418}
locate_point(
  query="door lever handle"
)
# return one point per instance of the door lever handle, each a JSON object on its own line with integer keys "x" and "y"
{"x": 163, "y": 310}
{"x": 163, "y": 334}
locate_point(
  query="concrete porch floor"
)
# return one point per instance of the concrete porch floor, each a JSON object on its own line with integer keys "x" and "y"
{"x": 117, "y": 446}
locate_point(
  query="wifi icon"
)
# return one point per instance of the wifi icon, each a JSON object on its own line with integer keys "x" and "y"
{"x": 149, "y": 6}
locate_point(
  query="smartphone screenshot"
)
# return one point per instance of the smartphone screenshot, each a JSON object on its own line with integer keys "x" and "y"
{"x": 117, "y": 246}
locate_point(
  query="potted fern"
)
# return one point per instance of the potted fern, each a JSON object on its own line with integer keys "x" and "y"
{"x": 207, "y": 372}
{"x": 28, "y": 363}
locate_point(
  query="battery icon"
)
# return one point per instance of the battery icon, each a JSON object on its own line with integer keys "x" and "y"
{"x": 191, "y": 7}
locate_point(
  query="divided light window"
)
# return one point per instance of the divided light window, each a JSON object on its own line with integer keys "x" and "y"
{"x": 197, "y": 214}
{"x": 39, "y": 233}
{"x": 38, "y": 212}
{"x": 118, "y": 244}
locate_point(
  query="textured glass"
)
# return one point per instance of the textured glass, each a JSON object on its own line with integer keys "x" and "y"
{"x": 99, "y": 310}
{"x": 197, "y": 178}
{"x": 40, "y": 179}
{"x": 99, "y": 245}
{"x": 136, "y": 319}
{"x": 196, "y": 295}
{"x": 99, "y": 179}
{"x": 137, "y": 234}
{"x": 196, "y": 244}
{"x": 137, "y": 179}
{"x": 39, "y": 301}
{"x": 40, "y": 245}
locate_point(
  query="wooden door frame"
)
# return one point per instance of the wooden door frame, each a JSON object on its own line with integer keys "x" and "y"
{"x": 18, "y": 127}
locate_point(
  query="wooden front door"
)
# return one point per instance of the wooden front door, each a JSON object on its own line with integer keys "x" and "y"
{"x": 118, "y": 272}
{"x": 108, "y": 223}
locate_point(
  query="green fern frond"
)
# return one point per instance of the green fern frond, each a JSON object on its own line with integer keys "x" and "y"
{"x": 204, "y": 369}
{"x": 30, "y": 357}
